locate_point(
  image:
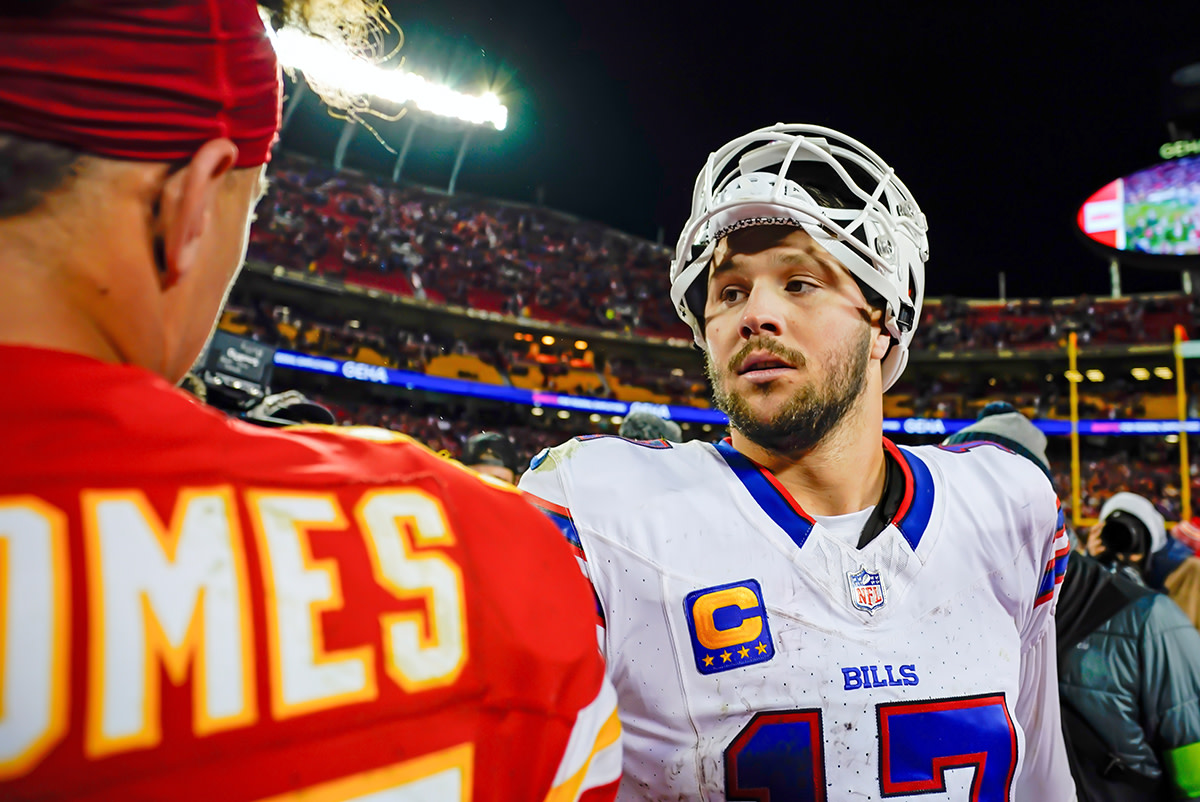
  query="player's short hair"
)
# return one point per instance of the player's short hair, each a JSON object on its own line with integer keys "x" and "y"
{"x": 29, "y": 170}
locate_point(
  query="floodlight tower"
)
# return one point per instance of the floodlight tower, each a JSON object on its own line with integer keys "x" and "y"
{"x": 326, "y": 66}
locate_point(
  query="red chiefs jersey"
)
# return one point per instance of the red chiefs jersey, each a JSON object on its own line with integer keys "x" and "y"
{"x": 196, "y": 608}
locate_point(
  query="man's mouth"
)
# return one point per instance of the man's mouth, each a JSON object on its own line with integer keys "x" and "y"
{"x": 762, "y": 365}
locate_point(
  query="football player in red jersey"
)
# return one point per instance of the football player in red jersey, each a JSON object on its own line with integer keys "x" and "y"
{"x": 191, "y": 607}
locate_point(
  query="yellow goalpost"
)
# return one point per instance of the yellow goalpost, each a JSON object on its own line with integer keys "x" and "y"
{"x": 1073, "y": 378}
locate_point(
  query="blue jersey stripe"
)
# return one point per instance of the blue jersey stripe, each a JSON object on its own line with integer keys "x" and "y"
{"x": 1047, "y": 586}
{"x": 797, "y": 525}
{"x": 565, "y": 525}
{"x": 915, "y": 521}
{"x": 1060, "y": 567}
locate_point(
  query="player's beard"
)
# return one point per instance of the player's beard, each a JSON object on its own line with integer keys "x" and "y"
{"x": 810, "y": 414}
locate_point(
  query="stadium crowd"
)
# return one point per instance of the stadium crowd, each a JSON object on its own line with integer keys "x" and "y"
{"x": 1153, "y": 474}
{"x": 531, "y": 262}
{"x": 397, "y": 346}
{"x": 475, "y": 253}
{"x": 445, "y": 434}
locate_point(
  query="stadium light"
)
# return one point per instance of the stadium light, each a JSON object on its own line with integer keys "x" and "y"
{"x": 1164, "y": 373}
{"x": 1095, "y": 376}
{"x": 1141, "y": 374}
{"x": 326, "y": 65}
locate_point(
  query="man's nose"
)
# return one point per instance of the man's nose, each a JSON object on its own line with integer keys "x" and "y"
{"x": 762, "y": 314}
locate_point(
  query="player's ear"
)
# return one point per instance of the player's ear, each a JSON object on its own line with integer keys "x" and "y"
{"x": 186, "y": 208}
{"x": 881, "y": 341}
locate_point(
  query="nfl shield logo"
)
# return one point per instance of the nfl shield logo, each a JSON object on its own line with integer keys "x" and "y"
{"x": 866, "y": 591}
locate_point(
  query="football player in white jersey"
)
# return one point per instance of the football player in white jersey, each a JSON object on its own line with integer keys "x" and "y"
{"x": 806, "y": 611}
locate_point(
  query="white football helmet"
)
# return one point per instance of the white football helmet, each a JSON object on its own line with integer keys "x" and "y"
{"x": 760, "y": 179}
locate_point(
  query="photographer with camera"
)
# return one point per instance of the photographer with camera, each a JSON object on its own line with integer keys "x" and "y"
{"x": 1132, "y": 537}
{"x": 1130, "y": 532}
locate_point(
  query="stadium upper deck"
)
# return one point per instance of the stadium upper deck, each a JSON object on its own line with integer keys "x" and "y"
{"x": 525, "y": 262}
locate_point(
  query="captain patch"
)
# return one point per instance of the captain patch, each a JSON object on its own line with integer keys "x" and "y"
{"x": 728, "y": 625}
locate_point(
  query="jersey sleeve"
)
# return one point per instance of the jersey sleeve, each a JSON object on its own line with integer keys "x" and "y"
{"x": 542, "y": 486}
{"x": 1045, "y": 773}
{"x": 590, "y": 770}
{"x": 539, "y": 608}
{"x": 1052, "y": 574}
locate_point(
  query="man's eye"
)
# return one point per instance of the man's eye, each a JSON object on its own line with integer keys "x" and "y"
{"x": 796, "y": 285}
{"x": 730, "y": 294}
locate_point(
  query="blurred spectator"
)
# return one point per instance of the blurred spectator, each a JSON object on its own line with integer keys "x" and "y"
{"x": 492, "y": 454}
{"x": 648, "y": 426}
{"x": 289, "y": 408}
{"x": 1129, "y": 680}
{"x": 1002, "y": 424}
{"x": 1188, "y": 533}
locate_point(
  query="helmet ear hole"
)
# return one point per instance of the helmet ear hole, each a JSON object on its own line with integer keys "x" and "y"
{"x": 873, "y": 298}
{"x": 696, "y": 298}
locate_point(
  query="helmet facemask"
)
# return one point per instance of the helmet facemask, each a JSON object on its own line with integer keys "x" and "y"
{"x": 839, "y": 192}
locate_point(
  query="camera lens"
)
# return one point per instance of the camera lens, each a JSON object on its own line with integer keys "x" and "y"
{"x": 1124, "y": 534}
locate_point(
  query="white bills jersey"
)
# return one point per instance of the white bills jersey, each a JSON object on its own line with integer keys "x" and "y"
{"x": 757, "y": 655}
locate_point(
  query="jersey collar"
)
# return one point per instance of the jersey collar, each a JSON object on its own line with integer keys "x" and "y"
{"x": 911, "y": 517}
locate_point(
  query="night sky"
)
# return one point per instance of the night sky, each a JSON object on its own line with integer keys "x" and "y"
{"x": 1001, "y": 123}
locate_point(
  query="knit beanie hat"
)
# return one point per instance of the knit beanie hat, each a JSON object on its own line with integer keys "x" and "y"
{"x": 648, "y": 426}
{"x": 1000, "y": 422}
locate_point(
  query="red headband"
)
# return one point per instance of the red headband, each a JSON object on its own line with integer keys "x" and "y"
{"x": 142, "y": 79}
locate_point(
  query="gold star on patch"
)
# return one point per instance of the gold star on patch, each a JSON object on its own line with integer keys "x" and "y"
{"x": 744, "y": 652}
{"x": 762, "y": 648}
{"x": 725, "y": 656}
{"x": 708, "y": 661}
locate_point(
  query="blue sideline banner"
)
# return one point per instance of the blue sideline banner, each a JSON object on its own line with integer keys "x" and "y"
{"x": 409, "y": 380}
